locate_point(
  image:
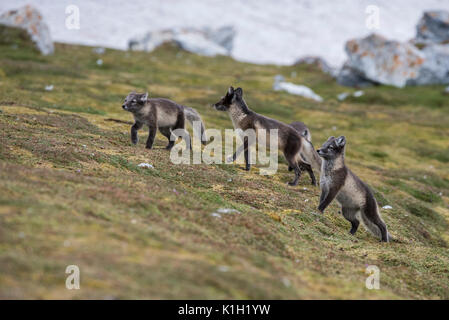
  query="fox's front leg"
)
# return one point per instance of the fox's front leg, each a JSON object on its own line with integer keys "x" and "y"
{"x": 236, "y": 154}
{"x": 151, "y": 133}
{"x": 327, "y": 195}
{"x": 134, "y": 128}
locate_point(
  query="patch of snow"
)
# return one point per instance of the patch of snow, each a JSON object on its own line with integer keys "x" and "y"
{"x": 387, "y": 207}
{"x": 49, "y": 87}
{"x": 100, "y": 62}
{"x": 145, "y": 165}
{"x": 342, "y": 96}
{"x": 226, "y": 211}
{"x": 299, "y": 90}
{"x": 358, "y": 93}
{"x": 216, "y": 215}
{"x": 99, "y": 50}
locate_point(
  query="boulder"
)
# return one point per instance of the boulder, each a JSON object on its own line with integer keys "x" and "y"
{"x": 317, "y": 62}
{"x": 433, "y": 27}
{"x": 435, "y": 68}
{"x": 351, "y": 78}
{"x": 204, "y": 41}
{"x": 29, "y": 19}
{"x": 379, "y": 60}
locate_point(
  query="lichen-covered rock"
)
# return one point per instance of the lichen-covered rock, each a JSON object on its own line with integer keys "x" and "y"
{"x": 435, "y": 69}
{"x": 205, "y": 41}
{"x": 383, "y": 61}
{"x": 29, "y": 19}
{"x": 351, "y": 78}
{"x": 433, "y": 27}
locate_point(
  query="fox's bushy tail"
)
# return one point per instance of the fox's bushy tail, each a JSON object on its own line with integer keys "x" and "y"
{"x": 373, "y": 223}
{"x": 193, "y": 116}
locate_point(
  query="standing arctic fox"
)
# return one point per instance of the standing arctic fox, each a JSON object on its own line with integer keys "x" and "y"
{"x": 293, "y": 145}
{"x": 305, "y": 132}
{"x": 356, "y": 198}
{"x": 163, "y": 114}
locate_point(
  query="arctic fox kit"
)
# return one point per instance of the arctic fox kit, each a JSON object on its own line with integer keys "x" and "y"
{"x": 293, "y": 145}
{"x": 162, "y": 114}
{"x": 305, "y": 132}
{"x": 356, "y": 198}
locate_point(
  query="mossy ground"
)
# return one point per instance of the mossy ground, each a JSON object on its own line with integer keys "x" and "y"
{"x": 71, "y": 191}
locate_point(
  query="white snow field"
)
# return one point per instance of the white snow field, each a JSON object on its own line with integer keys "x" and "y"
{"x": 268, "y": 31}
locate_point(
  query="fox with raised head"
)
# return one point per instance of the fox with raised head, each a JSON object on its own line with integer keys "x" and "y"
{"x": 356, "y": 198}
{"x": 162, "y": 114}
{"x": 295, "y": 147}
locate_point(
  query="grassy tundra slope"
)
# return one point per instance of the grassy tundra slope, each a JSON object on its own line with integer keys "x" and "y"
{"x": 71, "y": 191}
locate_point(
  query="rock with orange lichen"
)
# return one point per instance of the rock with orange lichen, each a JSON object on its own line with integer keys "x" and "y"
{"x": 379, "y": 60}
{"x": 435, "y": 69}
{"x": 433, "y": 27}
{"x": 29, "y": 19}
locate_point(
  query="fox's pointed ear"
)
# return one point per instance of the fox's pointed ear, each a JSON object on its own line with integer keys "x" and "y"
{"x": 341, "y": 141}
{"x": 144, "y": 97}
{"x": 239, "y": 92}
{"x": 231, "y": 90}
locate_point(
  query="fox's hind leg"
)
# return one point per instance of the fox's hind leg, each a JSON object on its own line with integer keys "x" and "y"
{"x": 166, "y": 131}
{"x": 295, "y": 166}
{"x": 307, "y": 167}
{"x": 180, "y": 124}
{"x": 350, "y": 214}
{"x": 291, "y": 153}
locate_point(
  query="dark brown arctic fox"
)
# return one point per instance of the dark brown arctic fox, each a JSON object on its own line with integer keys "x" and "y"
{"x": 356, "y": 198}
{"x": 292, "y": 144}
{"x": 305, "y": 132}
{"x": 162, "y": 114}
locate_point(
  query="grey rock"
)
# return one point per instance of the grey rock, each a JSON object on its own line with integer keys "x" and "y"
{"x": 351, "y": 78}
{"x": 379, "y": 60}
{"x": 30, "y": 19}
{"x": 435, "y": 69}
{"x": 205, "y": 41}
{"x": 433, "y": 27}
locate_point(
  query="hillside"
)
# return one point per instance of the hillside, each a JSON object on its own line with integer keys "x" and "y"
{"x": 71, "y": 191}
